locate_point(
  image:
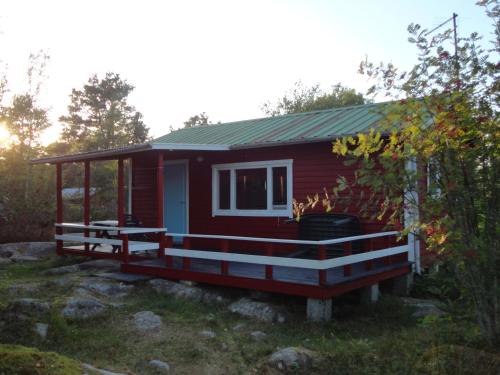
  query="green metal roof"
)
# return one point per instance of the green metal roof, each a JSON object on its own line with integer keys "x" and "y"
{"x": 295, "y": 128}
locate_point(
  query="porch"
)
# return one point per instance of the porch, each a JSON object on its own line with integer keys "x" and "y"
{"x": 326, "y": 269}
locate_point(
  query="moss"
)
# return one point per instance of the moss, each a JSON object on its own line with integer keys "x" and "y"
{"x": 20, "y": 360}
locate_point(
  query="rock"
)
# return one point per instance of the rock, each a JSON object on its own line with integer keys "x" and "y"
{"x": 106, "y": 288}
{"x": 192, "y": 293}
{"x": 258, "y": 335}
{"x": 5, "y": 261}
{"x": 83, "y": 308}
{"x": 30, "y": 249}
{"x": 62, "y": 270}
{"x": 292, "y": 358}
{"x": 147, "y": 320}
{"x": 41, "y": 329}
{"x": 18, "y": 258}
{"x": 62, "y": 282}
{"x": 23, "y": 288}
{"x": 29, "y": 306}
{"x": 100, "y": 264}
{"x": 208, "y": 334}
{"x": 258, "y": 295}
{"x": 99, "y": 371}
{"x": 423, "y": 307}
{"x": 159, "y": 365}
{"x": 258, "y": 310}
{"x": 239, "y": 327}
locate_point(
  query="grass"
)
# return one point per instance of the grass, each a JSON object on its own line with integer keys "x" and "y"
{"x": 378, "y": 339}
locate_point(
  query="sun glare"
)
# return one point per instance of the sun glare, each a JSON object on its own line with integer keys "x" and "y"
{"x": 5, "y": 137}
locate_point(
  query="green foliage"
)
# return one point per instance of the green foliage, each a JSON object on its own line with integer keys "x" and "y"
{"x": 305, "y": 99}
{"x": 20, "y": 360}
{"x": 197, "y": 120}
{"x": 447, "y": 124}
{"x": 99, "y": 116}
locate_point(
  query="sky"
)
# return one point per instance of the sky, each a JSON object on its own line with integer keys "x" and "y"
{"x": 225, "y": 58}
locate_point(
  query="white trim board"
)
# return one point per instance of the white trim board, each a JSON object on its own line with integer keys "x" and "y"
{"x": 285, "y": 211}
{"x": 287, "y": 262}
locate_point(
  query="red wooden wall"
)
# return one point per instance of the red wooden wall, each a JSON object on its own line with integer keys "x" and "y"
{"x": 314, "y": 167}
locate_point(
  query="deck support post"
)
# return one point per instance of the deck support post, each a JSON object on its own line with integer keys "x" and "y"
{"x": 59, "y": 213}
{"x": 121, "y": 210}
{"x": 86, "y": 200}
{"x": 319, "y": 310}
{"x": 159, "y": 191}
{"x": 370, "y": 294}
{"x": 401, "y": 285}
{"x": 321, "y": 273}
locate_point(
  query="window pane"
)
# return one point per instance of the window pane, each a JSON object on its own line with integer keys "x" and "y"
{"x": 251, "y": 189}
{"x": 279, "y": 186}
{"x": 224, "y": 188}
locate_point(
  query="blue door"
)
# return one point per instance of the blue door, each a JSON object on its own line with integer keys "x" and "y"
{"x": 175, "y": 208}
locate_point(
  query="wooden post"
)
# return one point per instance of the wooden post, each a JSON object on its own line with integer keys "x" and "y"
{"x": 125, "y": 253}
{"x": 224, "y": 265}
{"x": 347, "y": 251}
{"x": 369, "y": 263}
{"x": 159, "y": 191}
{"x": 186, "y": 262}
{"x": 169, "y": 242}
{"x": 121, "y": 207}
{"x": 86, "y": 200}
{"x": 59, "y": 202}
{"x": 269, "y": 269}
{"x": 322, "y": 256}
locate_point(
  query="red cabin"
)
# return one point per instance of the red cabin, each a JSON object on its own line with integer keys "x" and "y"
{"x": 215, "y": 203}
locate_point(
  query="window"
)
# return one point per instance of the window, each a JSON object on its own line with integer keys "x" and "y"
{"x": 252, "y": 189}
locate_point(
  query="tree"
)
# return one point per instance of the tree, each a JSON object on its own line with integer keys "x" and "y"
{"x": 99, "y": 116}
{"x": 303, "y": 99}
{"x": 447, "y": 122}
{"x": 197, "y": 120}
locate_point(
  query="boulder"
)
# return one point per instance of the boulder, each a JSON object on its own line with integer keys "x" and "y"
{"x": 94, "y": 370}
{"x": 258, "y": 310}
{"x": 5, "y": 261}
{"x": 106, "y": 288}
{"x": 83, "y": 308}
{"x": 291, "y": 359}
{"x": 18, "y": 289}
{"x": 187, "y": 291}
{"x": 29, "y": 306}
{"x": 63, "y": 270}
{"x": 159, "y": 366}
{"x": 41, "y": 329}
{"x": 208, "y": 334}
{"x": 423, "y": 307}
{"x": 258, "y": 335}
{"x": 19, "y": 258}
{"x": 146, "y": 321}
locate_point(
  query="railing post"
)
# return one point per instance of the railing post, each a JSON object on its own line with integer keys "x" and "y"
{"x": 388, "y": 260}
{"x": 369, "y": 263}
{"x": 125, "y": 253}
{"x": 347, "y": 251}
{"x": 59, "y": 212}
{"x": 322, "y": 256}
{"x": 120, "y": 206}
{"x": 161, "y": 245}
{"x": 269, "y": 268}
{"x": 224, "y": 265}
{"x": 86, "y": 200}
{"x": 186, "y": 262}
{"x": 169, "y": 242}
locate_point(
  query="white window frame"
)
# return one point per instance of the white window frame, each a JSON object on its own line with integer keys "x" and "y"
{"x": 283, "y": 211}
